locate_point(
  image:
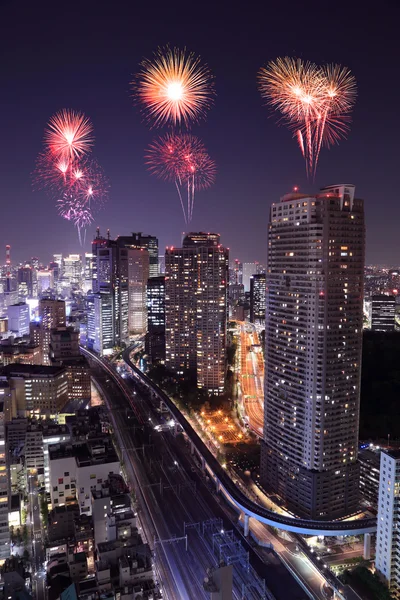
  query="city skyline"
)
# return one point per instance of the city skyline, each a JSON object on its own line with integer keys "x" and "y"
{"x": 93, "y": 75}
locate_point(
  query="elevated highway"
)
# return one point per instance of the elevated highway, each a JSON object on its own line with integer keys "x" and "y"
{"x": 224, "y": 483}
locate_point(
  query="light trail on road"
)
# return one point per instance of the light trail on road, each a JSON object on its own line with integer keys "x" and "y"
{"x": 251, "y": 376}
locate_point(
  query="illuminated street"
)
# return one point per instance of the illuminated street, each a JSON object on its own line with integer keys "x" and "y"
{"x": 250, "y": 366}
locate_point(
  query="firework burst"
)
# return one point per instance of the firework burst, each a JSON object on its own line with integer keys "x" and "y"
{"x": 69, "y": 135}
{"x": 173, "y": 88}
{"x": 182, "y": 159}
{"x": 315, "y": 102}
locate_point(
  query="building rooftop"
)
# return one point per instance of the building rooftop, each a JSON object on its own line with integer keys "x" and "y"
{"x": 85, "y": 453}
{"x": 392, "y": 453}
{"x": 29, "y": 370}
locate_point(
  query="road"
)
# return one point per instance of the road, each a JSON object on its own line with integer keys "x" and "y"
{"x": 175, "y": 499}
{"x": 250, "y": 367}
{"x": 37, "y": 549}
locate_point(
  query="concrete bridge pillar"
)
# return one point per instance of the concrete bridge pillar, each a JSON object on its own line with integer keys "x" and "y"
{"x": 367, "y": 546}
{"x": 203, "y": 463}
{"x": 246, "y": 527}
{"x": 191, "y": 448}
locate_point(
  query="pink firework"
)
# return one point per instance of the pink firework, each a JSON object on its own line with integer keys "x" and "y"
{"x": 183, "y": 159}
{"x": 69, "y": 134}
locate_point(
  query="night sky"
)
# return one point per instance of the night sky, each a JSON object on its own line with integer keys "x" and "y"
{"x": 81, "y": 55}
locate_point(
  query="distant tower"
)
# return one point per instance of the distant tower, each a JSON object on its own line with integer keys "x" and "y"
{"x": 8, "y": 256}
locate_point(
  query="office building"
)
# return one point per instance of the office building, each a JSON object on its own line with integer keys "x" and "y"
{"x": 51, "y": 315}
{"x": 25, "y": 281}
{"x": 369, "y": 476}
{"x": 387, "y": 561}
{"x": 148, "y": 242}
{"x": 257, "y": 298}
{"x": 138, "y": 275}
{"x": 64, "y": 350}
{"x": 88, "y": 272}
{"x": 5, "y": 549}
{"x": 313, "y": 331}
{"x": 110, "y": 290}
{"x": 196, "y": 309}
{"x": 45, "y": 281}
{"x": 383, "y": 314}
{"x": 155, "y": 337}
{"x": 18, "y": 319}
{"x": 37, "y": 390}
{"x": 72, "y": 270}
{"x": 249, "y": 269}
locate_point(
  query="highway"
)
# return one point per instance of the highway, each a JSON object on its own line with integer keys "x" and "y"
{"x": 175, "y": 500}
{"x": 250, "y": 367}
{"x": 238, "y": 498}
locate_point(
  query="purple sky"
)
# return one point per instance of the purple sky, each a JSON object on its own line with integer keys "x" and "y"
{"x": 82, "y": 55}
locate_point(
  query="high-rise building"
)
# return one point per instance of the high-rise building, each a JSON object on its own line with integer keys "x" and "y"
{"x": 64, "y": 350}
{"x": 196, "y": 309}
{"x": 5, "y": 549}
{"x": 18, "y": 319}
{"x": 25, "y": 277}
{"x": 249, "y": 269}
{"x": 72, "y": 271}
{"x": 314, "y": 317}
{"x": 383, "y": 315}
{"x": 110, "y": 286}
{"x": 88, "y": 272}
{"x": 150, "y": 242}
{"x": 387, "y": 561}
{"x": 257, "y": 298}
{"x": 45, "y": 281}
{"x": 51, "y": 314}
{"x": 101, "y": 325}
{"x": 138, "y": 275}
{"x": 155, "y": 337}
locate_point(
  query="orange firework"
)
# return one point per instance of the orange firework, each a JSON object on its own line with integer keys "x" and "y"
{"x": 174, "y": 88}
{"x": 314, "y": 101}
{"x": 69, "y": 134}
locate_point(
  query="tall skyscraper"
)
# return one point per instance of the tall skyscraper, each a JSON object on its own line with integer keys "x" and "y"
{"x": 110, "y": 281}
{"x": 150, "y": 242}
{"x": 25, "y": 276}
{"x": 72, "y": 271}
{"x": 383, "y": 314}
{"x": 257, "y": 298}
{"x": 155, "y": 337}
{"x": 138, "y": 276}
{"x": 314, "y": 317}
{"x": 5, "y": 549}
{"x": 249, "y": 269}
{"x": 51, "y": 314}
{"x": 196, "y": 277}
{"x": 387, "y": 561}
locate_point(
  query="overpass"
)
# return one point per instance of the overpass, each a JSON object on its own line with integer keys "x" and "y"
{"x": 224, "y": 484}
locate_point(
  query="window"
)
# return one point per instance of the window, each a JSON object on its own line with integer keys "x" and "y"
{"x": 60, "y": 480}
{"x": 56, "y": 501}
{"x": 66, "y": 474}
{"x": 82, "y": 490}
{"x": 93, "y": 477}
{"x": 61, "y": 494}
{"x": 67, "y": 486}
{"x": 55, "y": 488}
{"x": 99, "y": 481}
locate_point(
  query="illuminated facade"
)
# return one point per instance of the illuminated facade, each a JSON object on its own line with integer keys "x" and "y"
{"x": 138, "y": 275}
{"x": 5, "y": 549}
{"x": 155, "y": 337}
{"x": 257, "y": 298}
{"x": 51, "y": 314}
{"x": 383, "y": 313}
{"x": 387, "y": 561}
{"x": 196, "y": 309}
{"x": 313, "y": 351}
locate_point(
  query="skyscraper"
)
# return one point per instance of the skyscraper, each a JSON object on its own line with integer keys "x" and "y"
{"x": 110, "y": 281}
{"x": 155, "y": 337}
{"x": 196, "y": 309}
{"x": 138, "y": 275}
{"x": 52, "y": 314}
{"x": 387, "y": 560}
{"x": 150, "y": 242}
{"x": 383, "y": 314}
{"x": 18, "y": 318}
{"x": 313, "y": 351}
{"x": 257, "y": 298}
{"x": 249, "y": 269}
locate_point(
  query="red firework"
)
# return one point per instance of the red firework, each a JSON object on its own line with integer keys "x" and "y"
{"x": 183, "y": 159}
{"x": 69, "y": 134}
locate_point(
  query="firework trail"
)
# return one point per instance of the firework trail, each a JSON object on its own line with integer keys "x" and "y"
{"x": 174, "y": 88}
{"x": 76, "y": 183}
{"x": 315, "y": 102}
{"x": 182, "y": 159}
